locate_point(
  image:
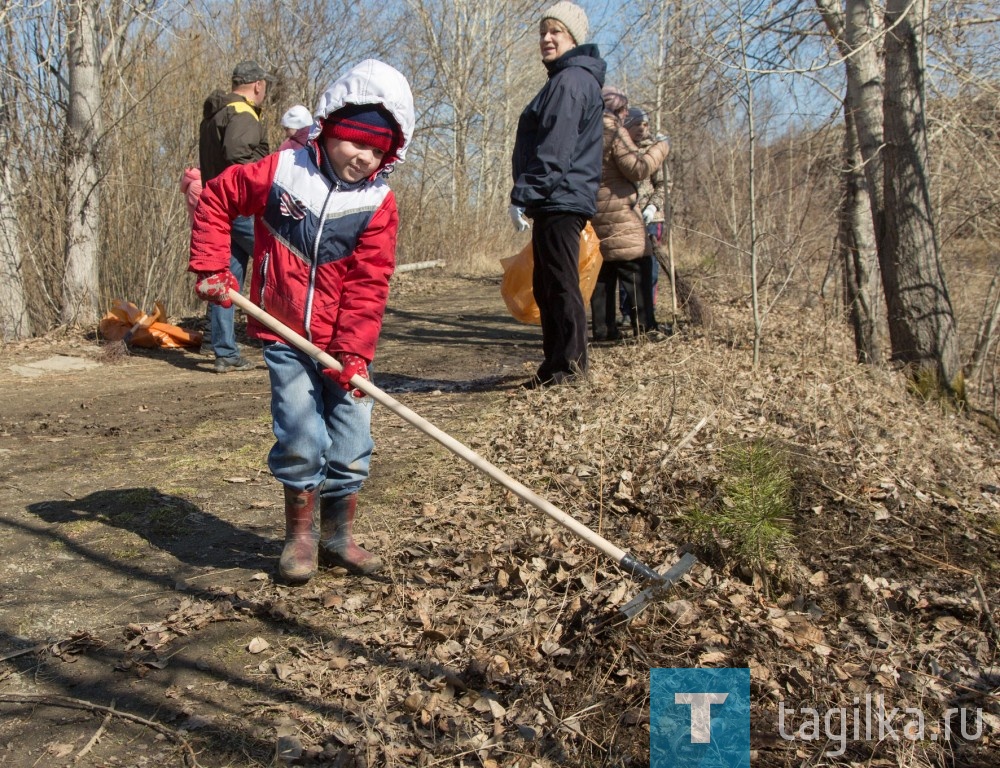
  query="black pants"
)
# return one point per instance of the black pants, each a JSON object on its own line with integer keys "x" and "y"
{"x": 604, "y": 301}
{"x": 647, "y": 266}
{"x": 647, "y": 272}
{"x": 555, "y": 241}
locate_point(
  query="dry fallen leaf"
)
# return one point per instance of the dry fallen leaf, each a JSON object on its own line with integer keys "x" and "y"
{"x": 257, "y": 645}
{"x": 413, "y": 703}
{"x": 60, "y": 750}
{"x": 947, "y": 623}
{"x": 683, "y": 611}
{"x": 819, "y": 579}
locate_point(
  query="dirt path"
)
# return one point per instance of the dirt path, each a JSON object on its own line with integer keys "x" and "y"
{"x": 133, "y": 496}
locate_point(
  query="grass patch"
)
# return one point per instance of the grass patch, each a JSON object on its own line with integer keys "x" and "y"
{"x": 925, "y": 384}
{"x": 76, "y": 528}
{"x": 750, "y": 524}
{"x": 166, "y": 521}
{"x": 126, "y": 553}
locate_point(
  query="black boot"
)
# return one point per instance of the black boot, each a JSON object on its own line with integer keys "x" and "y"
{"x": 299, "y": 558}
{"x": 337, "y": 545}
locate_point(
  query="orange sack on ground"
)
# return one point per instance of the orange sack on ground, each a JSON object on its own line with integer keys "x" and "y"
{"x": 517, "y": 271}
{"x": 124, "y": 314}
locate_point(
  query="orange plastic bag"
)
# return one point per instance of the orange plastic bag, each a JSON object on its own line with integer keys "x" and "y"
{"x": 124, "y": 314}
{"x": 517, "y": 270}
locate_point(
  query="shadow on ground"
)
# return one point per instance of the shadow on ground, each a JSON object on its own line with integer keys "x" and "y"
{"x": 169, "y": 523}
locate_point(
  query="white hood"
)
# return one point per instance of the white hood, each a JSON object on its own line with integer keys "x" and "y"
{"x": 370, "y": 82}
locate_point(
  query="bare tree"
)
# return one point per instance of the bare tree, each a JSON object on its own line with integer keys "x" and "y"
{"x": 987, "y": 330}
{"x": 746, "y": 96}
{"x": 858, "y": 250}
{"x": 921, "y": 321}
{"x": 862, "y": 208}
{"x": 888, "y": 115}
{"x": 474, "y": 71}
{"x": 15, "y": 321}
{"x": 83, "y": 202}
{"x": 95, "y": 37}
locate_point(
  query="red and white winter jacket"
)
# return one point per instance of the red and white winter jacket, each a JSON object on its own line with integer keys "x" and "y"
{"x": 324, "y": 250}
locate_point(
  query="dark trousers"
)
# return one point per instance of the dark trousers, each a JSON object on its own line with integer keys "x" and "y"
{"x": 648, "y": 269}
{"x": 604, "y": 301}
{"x": 555, "y": 242}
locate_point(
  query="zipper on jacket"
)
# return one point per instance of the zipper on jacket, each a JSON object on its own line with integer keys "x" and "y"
{"x": 314, "y": 259}
{"x": 263, "y": 279}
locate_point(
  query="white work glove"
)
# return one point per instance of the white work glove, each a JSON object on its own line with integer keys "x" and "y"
{"x": 516, "y": 212}
{"x": 647, "y": 214}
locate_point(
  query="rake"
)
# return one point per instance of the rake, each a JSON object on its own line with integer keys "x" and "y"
{"x": 625, "y": 561}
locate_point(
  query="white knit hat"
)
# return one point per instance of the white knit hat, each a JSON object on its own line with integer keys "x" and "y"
{"x": 572, "y": 17}
{"x": 297, "y": 117}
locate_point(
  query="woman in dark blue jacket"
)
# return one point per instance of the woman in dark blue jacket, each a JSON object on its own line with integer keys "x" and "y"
{"x": 557, "y": 171}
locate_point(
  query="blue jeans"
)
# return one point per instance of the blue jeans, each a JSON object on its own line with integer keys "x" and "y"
{"x": 221, "y": 321}
{"x": 323, "y": 434}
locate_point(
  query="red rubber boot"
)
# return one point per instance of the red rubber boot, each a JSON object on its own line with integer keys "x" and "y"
{"x": 299, "y": 558}
{"x": 337, "y": 546}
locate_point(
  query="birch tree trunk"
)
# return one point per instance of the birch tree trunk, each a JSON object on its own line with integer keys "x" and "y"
{"x": 858, "y": 250}
{"x": 15, "y": 322}
{"x": 921, "y": 321}
{"x": 862, "y": 214}
{"x": 862, "y": 23}
{"x": 83, "y": 208}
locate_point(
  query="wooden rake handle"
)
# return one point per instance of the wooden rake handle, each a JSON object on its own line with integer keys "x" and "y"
{"x": 620, "y": 556}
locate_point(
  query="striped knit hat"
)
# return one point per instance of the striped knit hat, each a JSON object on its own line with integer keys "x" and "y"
{"x": 366, "y": 124}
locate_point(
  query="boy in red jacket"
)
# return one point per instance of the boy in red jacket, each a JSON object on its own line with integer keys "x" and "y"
{"x": 325, "y": 225}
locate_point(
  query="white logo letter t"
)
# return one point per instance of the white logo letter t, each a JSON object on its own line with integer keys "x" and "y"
{"x": 701, "y": 713}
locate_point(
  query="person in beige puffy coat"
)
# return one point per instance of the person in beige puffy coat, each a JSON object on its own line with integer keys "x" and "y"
{"x": 652, "y": 203}
{"x": 618, "y": 223}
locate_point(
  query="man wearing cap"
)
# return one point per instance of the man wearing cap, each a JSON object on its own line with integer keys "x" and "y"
{"x": 231, "y": 133}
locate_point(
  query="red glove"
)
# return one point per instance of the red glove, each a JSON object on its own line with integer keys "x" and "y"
{"x": 352, "y": 365}
{"x": 214, "y": 287}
